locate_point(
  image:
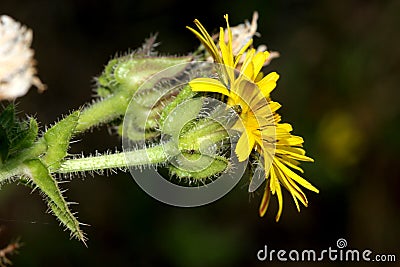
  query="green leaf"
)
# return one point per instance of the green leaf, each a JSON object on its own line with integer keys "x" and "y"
{"x": 42, "y": 178}
{"x": 15, "y": 134}
{"x": 26, "y": 137}
{"x": 57, "y": 139}
{"x": 4, "y": 144}
{"x": 7, "y": 118}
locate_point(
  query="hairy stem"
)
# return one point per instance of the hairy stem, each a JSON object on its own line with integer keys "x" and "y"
{"x": 103, "y": 111}
{"x": 14, "y": 168}
{"x": 140, "y": 157}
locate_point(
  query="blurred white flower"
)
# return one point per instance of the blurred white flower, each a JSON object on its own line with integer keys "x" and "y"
{"x": 17, "y": 65}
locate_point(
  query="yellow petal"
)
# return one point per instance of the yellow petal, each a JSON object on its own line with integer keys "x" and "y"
{"x": 274, "y": 106}
{"x": 277, "y": 117}
{"x": 284, "y": 127}
{"x": 268, "y": 83}
{"x": 265, "y": 200}
{"x": 241, "y": 52}
{"x": 247, "y": 68}
{"x": 207, "y": 40}
{"x": 246, "y": 92}
{"x": 208, "y": 85}
{"x": 268, "y": 155}
{"x": 296, "y": 202}
{"x": 290, "y": 140}
{"x": 226, "y": 50}
{"x": 229, "y": 32}
{"x": 298, "y": 193}
{"x": 227, "y": 58}
{"x": 280, "y": 199}
{"x": 273, "y": 178}
{"x": 290, "y": 163}
{"x": 244, "y": 146}
{"x": 267, "y": 134}
{"x": 258, "y": 62}
{"x": 289, "y": 173}
{"x": 291, "y": 186}
{"x": 292, "y": 152}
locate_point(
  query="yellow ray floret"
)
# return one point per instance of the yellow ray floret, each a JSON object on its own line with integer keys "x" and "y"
{"x": 261, "y": 129}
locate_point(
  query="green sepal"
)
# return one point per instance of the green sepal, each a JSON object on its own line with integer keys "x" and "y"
{"x": 57, "y": 139}
{"x": 107, "y": 76}
{"x": 185, "y": 94}
{"x": 132, "y": 71}
{"x": 182, "y": 114}
{"x": 201, "y": 134}
{"x": 127, "y": 72}
{"x": 102, "y": 92}
{"x": 137, "y": 135}
{"x": 105, "y": 80}
{"x": 41, "y": 177}
{"x": 146, "y": 118}
{"x": 198, "y": 166}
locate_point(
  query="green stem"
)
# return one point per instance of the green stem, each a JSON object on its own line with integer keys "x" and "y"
{"x": 140, "y": 157}
{"x": 103, "y": 111}
{"x": 10, "y": 171}
{"x": 14, "y": 167}
{"x": 97, "y": 113}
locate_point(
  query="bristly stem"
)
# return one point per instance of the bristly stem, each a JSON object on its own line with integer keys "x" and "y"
{"x": 103, "y": 111}
{"x": 146, "y": 156}
{"x": 13, "y": 167}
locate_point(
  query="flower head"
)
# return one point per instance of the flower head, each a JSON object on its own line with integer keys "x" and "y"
{"x": 17, "y": 71}
{"x": 249, "y": 92}
{"x": 241, "y": 88}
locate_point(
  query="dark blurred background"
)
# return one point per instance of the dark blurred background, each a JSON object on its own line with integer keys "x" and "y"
{"x": 339, "y": 67}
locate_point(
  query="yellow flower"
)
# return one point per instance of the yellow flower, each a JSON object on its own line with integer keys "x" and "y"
{"x": 239, "y": 90}
{"x": 249, "y": 93}
{"x": 253, "y": 111}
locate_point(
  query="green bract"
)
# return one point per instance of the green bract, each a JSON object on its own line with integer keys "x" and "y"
{"x": 166, "y": 129}
{"x": 41, "y": 177}
{"x": 57, "y": 140}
